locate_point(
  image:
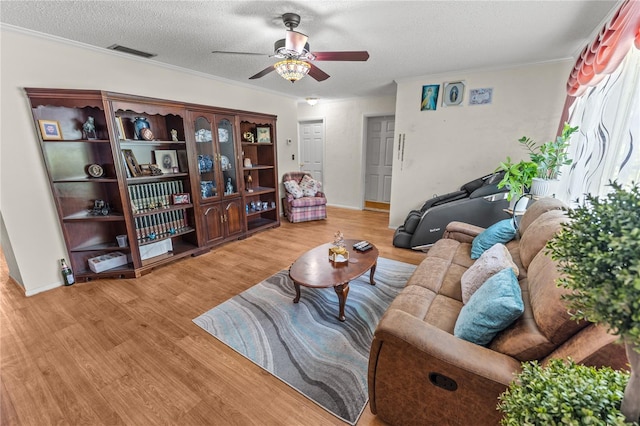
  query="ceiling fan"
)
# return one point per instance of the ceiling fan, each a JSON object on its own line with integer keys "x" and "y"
{"x": 295, "y": 55}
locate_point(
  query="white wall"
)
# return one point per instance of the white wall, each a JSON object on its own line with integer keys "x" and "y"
{"x": 344, "y": 122}
{"x": 29, "y": 60}
{"x": 449, "y": 146}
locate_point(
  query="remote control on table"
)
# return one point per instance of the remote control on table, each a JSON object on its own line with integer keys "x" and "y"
{"x": 360, "y": 244}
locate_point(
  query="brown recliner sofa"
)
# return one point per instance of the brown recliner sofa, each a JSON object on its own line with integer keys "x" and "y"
{"x": 421, "y": 374}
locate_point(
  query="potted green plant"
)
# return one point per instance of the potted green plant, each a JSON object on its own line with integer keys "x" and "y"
{"x": 563, "y": 393}
{"x": 598, "y": 251}
{"x": 550, "y": 157}
{"x": 517, "y": 177}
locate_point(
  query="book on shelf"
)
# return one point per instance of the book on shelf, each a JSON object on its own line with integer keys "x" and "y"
{"x": 155, "y": 195}
{"x": 160, "y": 225}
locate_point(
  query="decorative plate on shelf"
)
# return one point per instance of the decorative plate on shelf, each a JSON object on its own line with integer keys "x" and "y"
{"x": 95, "y": 170}
{"x": 223, "y": 135}
{"x": 146, "y": 134}
{"x": 225, "y": 164}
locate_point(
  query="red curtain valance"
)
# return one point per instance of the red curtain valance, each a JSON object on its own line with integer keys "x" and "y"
{"x": 607, "y": 51}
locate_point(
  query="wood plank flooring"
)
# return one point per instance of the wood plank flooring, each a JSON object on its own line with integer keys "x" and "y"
{"x": 126, "y": 352}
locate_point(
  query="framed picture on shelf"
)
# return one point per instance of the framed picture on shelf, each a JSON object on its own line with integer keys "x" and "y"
{"x": 167, "y": 160}
{"x": 132, "y": 163}
{"x": 50, "y": 130}
{"x": 264, "y": 134}
{"x": 181, "y": 198}
{"x": 453, "y": 93}
{"x": 121, "y": 133}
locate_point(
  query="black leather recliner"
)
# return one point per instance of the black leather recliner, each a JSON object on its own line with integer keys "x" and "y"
{"x": 478, "y": 202}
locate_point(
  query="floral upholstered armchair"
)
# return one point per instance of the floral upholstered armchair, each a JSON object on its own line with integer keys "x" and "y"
{"x": 304, "y": 199}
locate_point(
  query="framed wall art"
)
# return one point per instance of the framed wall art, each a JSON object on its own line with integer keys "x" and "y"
{"x": 453, "y": 93}
{"x": 166, "y": 159}
{"x": 264, "y": 134}
{"x": 481, "y": 96}
{"x": 430, "y": 97}
{"x": 50, "y": 130}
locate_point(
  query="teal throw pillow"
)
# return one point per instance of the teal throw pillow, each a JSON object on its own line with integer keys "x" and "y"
{"x": 500, "y": 232}
{"x": 491, "y": 309}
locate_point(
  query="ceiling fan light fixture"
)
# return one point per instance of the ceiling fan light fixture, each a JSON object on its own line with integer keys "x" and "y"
{"x": 312, "y": 101}
{"x": 292, "y": 69}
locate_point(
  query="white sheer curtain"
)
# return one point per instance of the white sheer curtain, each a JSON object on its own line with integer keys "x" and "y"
{"x": 607, "y": 146}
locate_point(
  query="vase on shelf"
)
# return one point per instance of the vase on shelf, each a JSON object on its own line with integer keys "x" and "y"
{"x": 140, "y": 123}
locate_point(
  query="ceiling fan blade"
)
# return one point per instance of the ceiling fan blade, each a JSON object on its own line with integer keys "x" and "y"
{"x": 361, "y": 55}
{"x": 295, "y": 41}
{"x": 225, "y": 52}
{"x": 262, "y": 73}
{"x": 317, "y": 73}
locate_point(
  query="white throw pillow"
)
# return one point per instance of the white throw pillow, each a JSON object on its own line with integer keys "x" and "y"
{"x": 488, "y": 264}
{"x": 309, "y": 186}
{"x": 293, "y": 188}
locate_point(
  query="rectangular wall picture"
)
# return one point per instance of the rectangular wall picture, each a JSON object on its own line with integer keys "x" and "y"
{"x": 429, "y": 97}
{"x": 481, "y": 96}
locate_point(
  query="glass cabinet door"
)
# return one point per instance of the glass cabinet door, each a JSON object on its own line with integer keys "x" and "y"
{"x": 227, "y": 156}
{"x": 206, "y": 159}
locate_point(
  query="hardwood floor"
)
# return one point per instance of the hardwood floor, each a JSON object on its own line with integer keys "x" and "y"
{"x": 126, "y": 352}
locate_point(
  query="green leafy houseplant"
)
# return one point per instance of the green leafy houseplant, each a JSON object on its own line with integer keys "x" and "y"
{"x": 598, "y": 251}
{"x": 550, "y": 156}
{"x": 517, "y": 177}
{"x": 563, "y": 393}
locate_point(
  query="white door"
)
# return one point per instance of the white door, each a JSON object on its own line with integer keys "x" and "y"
{"x": 312, "y": 147}
{"x": 379, "y": 159}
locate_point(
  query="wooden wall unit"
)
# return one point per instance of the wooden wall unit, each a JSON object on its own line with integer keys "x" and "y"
{"x": 206, "y": 151}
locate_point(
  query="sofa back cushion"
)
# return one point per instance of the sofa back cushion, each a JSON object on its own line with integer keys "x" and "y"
{"x": 541, "y": 206}
{"x": 538, "y": 233}
{"x": 546, "y": 323}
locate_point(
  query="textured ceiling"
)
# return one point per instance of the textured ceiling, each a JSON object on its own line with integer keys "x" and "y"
{"x": 404, "y": 38}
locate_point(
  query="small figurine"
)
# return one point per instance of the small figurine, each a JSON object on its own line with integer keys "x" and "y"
{"x": 89, "y": 128}
{"x": 249, "y": 183}
{"x": 229, "y": 187}
{"x": 338, "y": 239}
{"x": 174, "y": 135}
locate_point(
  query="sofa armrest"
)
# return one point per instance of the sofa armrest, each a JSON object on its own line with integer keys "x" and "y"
{"x": 463, "y": 232}
{"x": 412, "y": 358}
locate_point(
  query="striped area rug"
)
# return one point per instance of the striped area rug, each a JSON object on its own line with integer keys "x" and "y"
{"x": 304, "y": 344}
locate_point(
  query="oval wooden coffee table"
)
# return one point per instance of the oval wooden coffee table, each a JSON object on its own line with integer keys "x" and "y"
{"x": 314, "y": 269}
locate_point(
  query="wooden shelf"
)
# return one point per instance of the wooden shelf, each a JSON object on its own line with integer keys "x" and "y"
{"x": 171, "y": 208}
{"x": 143, "y": 179}
{"x": 85, "y": 216}
{"x": 78, "y": 141}
{"x": 261, "y": 223}
{"x": 135, "y": 142}
{"x": 183, "y": 231}
{"x": 258, "y": 167}
{"x": 100, "y": 247}
{"x": 251, "y": 213}
{"x": 259, "y": 190}
{"x": 86, "y": 179}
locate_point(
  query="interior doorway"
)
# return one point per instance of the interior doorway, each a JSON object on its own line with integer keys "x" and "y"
{"x": 312, "y": 148}
{"x": 378, "y": 162}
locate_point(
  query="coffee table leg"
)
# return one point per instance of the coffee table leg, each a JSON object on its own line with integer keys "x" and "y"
{"x": 342, "y": 291}
{"x": 297, "y": 287}
{"x": 373, "y": 271}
